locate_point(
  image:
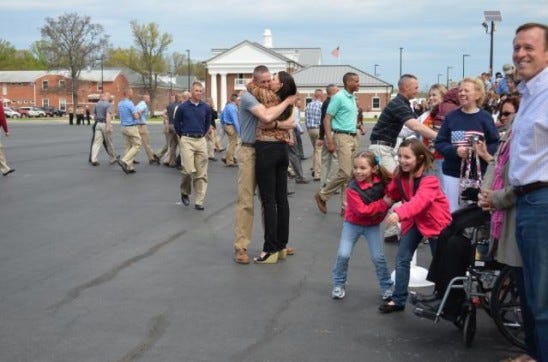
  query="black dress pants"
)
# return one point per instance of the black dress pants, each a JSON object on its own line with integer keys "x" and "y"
{"x": 271, "y": 162}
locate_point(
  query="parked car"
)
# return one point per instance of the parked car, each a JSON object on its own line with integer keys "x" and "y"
{"x": 31, "y": 112}
{"x": 53, "y": 112}
{"x": 10, "y": 113}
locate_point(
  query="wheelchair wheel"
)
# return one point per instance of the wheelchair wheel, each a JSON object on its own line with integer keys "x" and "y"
{"x": 469, "y": 328}
{"x": 506, "y": 308}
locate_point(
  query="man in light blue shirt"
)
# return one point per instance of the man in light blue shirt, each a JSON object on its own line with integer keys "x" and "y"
{"x": 231, "y": 127}
{"x": 528, "y": 173}
{"x": 142, "y": 107}
{"x": 129, "y": 117}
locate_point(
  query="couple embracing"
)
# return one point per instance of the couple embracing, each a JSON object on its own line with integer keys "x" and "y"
{"x": 266, "y": 122}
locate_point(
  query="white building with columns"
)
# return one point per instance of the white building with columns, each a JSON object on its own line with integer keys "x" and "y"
{"x": 229, "y": 70}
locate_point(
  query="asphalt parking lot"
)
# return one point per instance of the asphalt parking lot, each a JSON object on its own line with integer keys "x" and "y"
{"x": 96, "y": 265}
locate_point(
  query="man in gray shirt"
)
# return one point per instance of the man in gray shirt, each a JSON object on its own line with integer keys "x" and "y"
{"x": 102, "y": 130}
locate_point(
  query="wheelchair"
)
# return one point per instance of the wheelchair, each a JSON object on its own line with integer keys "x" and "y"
{"x": 484, "y": 283}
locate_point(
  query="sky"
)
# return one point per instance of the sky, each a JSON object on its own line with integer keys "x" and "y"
{"x": 434, "y": 35}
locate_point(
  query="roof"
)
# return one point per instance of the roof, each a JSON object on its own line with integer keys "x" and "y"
{"x": 321, "y": 75}
{"x": 21, "y": 76}
{"x": 219, "y": 52}
{"x": 304, "y": 56}
{"x": 24, "y": 76}
{"x": 164, "y": 81}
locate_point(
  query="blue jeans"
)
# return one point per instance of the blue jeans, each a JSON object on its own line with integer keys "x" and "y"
{"x": 532, "y": 239}
{"x": 349, "y": 236}
{"x": 408, "y": 244}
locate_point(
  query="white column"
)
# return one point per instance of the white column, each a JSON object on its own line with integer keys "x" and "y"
{"x": 223, "y": 90}
{"x": 214, "y": 88}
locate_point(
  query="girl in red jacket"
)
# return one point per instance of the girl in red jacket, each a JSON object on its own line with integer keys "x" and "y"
{"x": 364, "y": 212}
{"x": 424, "y": 212}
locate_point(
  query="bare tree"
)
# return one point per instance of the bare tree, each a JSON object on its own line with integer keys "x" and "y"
{"x": 73, "y": 42}
{"x": 147, "y": 58}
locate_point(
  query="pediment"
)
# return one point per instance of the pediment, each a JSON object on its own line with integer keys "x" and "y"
{"x": 246, "y": 53}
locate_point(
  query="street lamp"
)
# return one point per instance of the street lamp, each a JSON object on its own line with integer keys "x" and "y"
{"x": 464, "y": 56}
{"x": 188, "y": 59}
{"x": 375, "y": 70}
{"x": 490, "y": 18}
{"x": 439, "y": 75}
{"x": 401, "y": 50}
{"x": 101, "y": 59}
{"x": 447, "y": 76}
{"x": 170, "y": 83}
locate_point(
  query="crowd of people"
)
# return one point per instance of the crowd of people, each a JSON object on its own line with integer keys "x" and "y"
{"x": 418, "y": 171}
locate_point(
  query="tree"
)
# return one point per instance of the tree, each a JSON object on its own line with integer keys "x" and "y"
{"x": 13, "y": 59}
{"x": 73, "y": 42}
{"x": 147, "y": 57}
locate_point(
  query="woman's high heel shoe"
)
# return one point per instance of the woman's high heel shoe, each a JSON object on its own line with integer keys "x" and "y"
{"x": 268, "y": 258}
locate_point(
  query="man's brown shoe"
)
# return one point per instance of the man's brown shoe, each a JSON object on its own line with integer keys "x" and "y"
{"x": 321, "y": 204}
{"x": 241, "y": 257}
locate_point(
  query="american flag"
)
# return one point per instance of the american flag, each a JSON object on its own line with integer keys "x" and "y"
{"x": 461, "y": 138}
{"x": 336, "y": 52}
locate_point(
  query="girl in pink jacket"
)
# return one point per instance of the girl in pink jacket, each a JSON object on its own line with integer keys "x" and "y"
{"x": 424, "y": 212}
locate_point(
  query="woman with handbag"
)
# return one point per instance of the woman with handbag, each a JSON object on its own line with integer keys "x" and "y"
{"x": 459, "y": 132}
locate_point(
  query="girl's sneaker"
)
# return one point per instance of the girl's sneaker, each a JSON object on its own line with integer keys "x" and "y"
{"x": 338, "y": 292}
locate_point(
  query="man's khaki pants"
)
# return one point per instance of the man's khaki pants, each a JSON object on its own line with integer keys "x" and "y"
{"x": 314, "y": 134}
{"x": 102, "y": 137}
{"x": 345, "y": 147}
{"x": 232, "y": 135}
{"x": 132, "y": 144}
{"x": 243, "y": 228}
{"x": 194, "y": 161}
{"x": 3, "y": 163}
{"x": 145, "y": 140}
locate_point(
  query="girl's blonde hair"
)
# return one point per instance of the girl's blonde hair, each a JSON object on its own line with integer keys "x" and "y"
{"x": 478, "y": 86}
{"x": 375, "y": 162}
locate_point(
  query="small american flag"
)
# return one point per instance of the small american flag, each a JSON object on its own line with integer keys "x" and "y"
{"x": 336, "y": 52}
{"x": 461, "y": 138}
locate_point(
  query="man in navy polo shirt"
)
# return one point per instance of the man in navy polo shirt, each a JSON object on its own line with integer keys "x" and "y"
{"x": 192, "y": 122}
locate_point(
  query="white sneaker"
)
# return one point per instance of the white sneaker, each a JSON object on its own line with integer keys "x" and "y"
{"x": 387, "y": 294}
{"x": 338, "y": 292}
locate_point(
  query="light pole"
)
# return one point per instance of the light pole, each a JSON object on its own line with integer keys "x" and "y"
{"x": 401, "y": 51}
{"x": 170, "y": 84}
{"x": 375, "y": 69}
{"x": 490, "y": 18}
{"x": 188, "y": 58}
{"x": 439, "y": 75}
{"x": 101, "y": 59}
{"x": 463, "y": 57}
{"x": 447, "y": 76}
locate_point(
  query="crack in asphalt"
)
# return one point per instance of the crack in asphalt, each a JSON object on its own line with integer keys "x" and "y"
{"x": 272, "y": 327}
{"x": 157, "y": 326}
{"x": 75, "y": 292}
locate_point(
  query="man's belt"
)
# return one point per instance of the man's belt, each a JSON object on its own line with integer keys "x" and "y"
{"x": 525, "y": 189}
{"x": 191, "y": 135}
{"x": 344, "y": 132}
{"x": 383, "y": 143}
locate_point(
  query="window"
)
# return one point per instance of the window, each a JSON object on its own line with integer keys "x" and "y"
{"x": 61, "y": 83}
{"x": 44, "y": 84}
{"x": 376, "y": 103}
{"x": 63, "y": 104}
{"x": 45, "y": 102}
